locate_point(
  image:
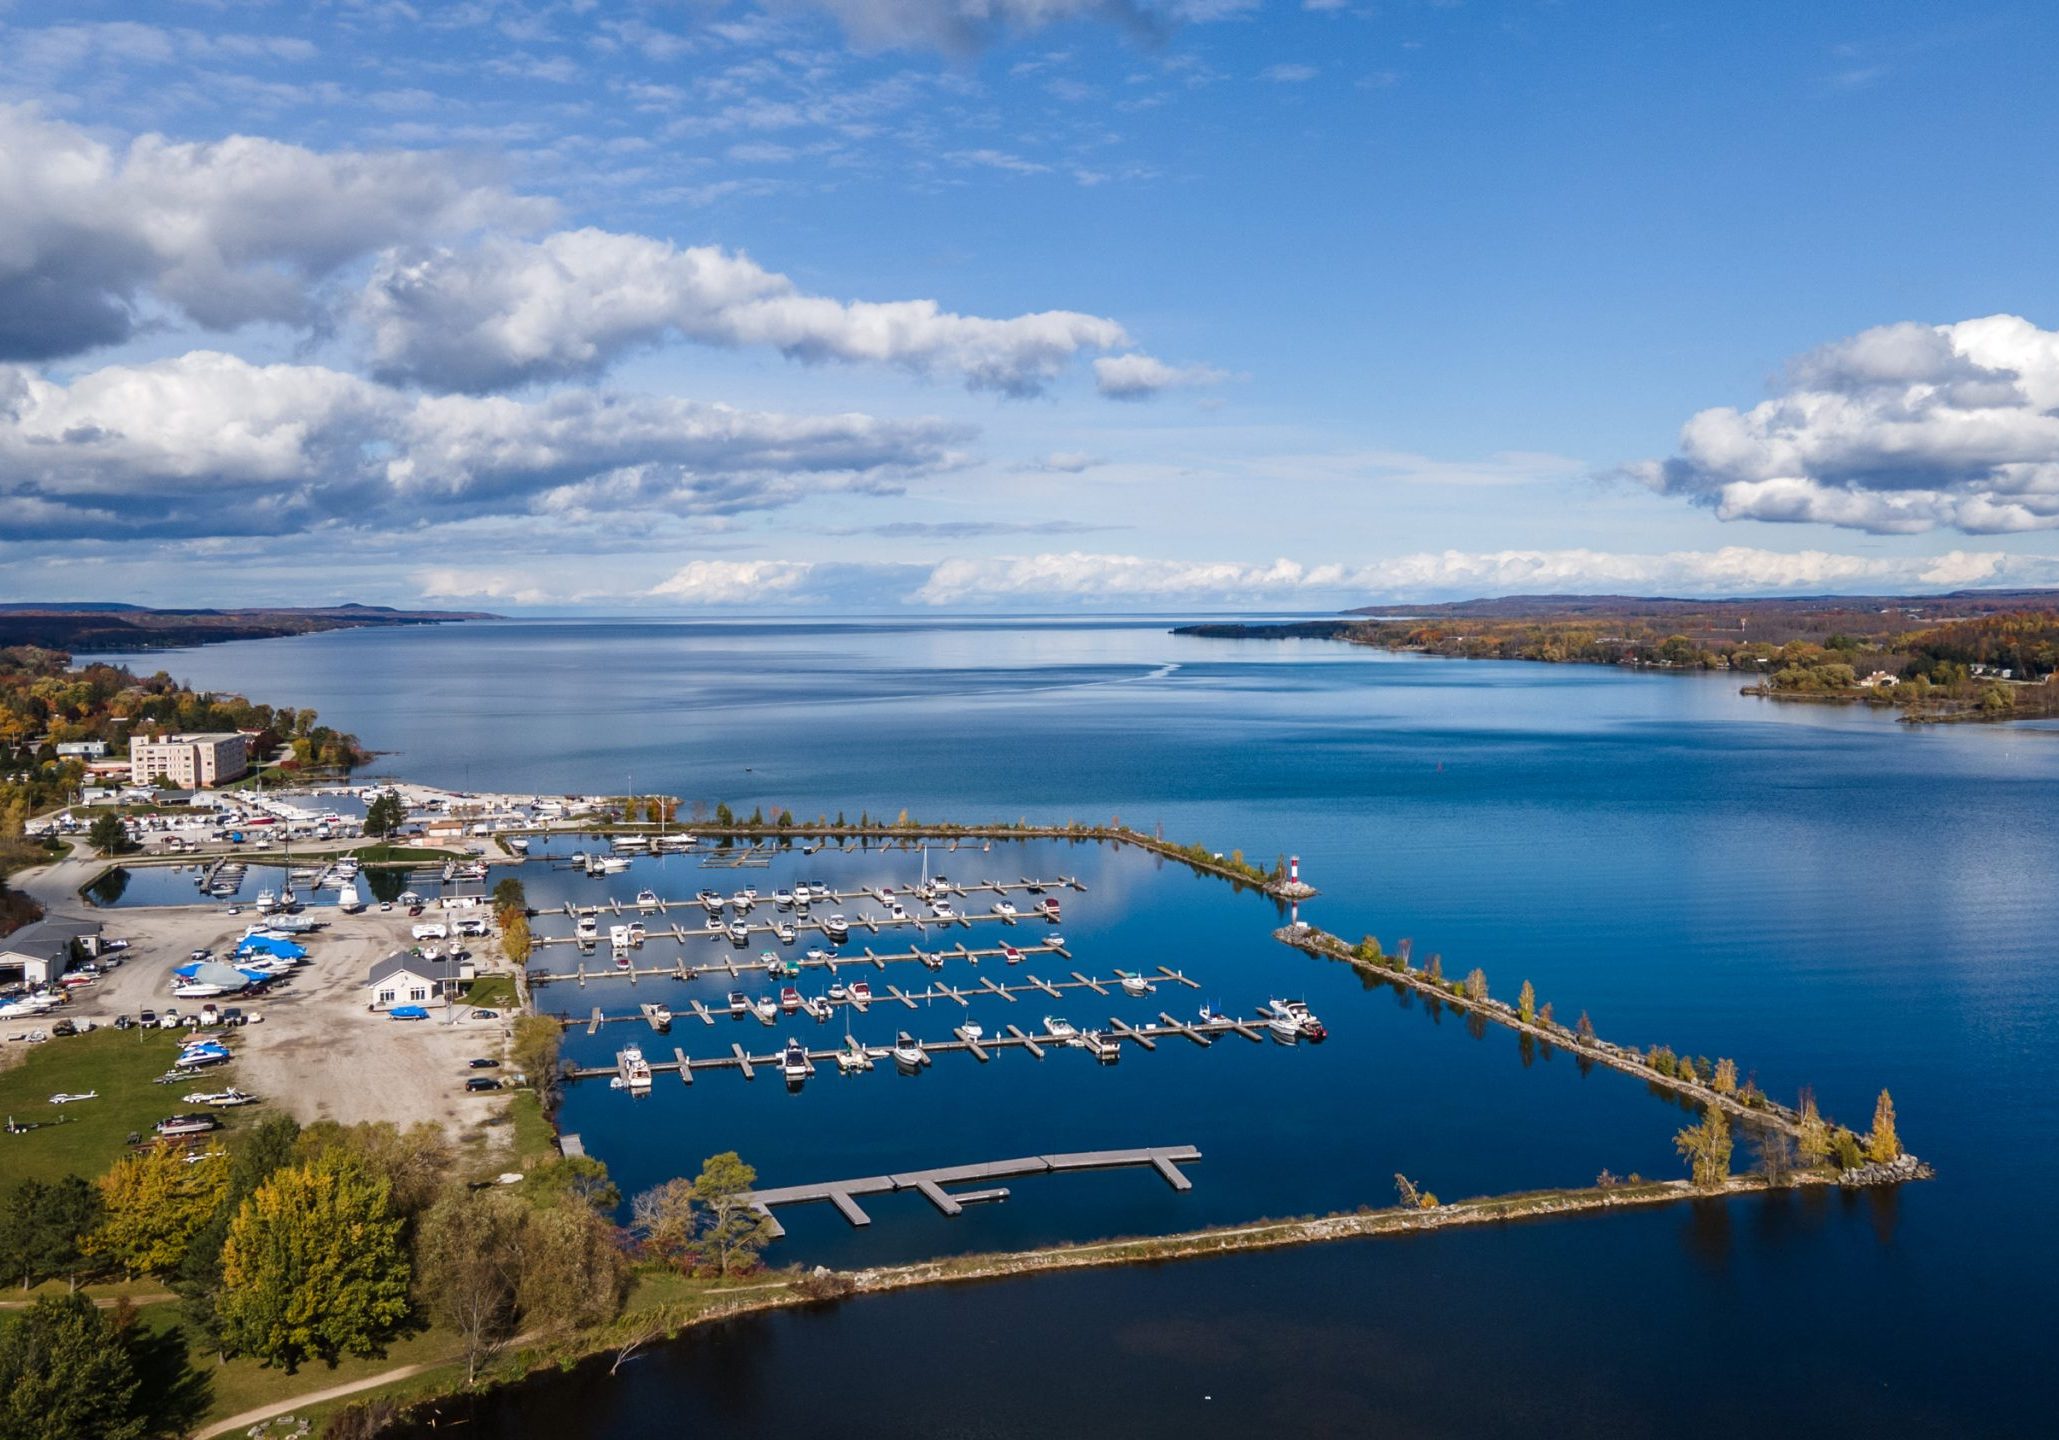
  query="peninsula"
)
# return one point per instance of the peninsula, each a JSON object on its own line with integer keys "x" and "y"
{"x": 90, "y": 626}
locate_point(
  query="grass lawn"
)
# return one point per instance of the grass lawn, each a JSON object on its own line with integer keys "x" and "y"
{"x": 495, "y": 992}
{"x": 86, "y": 1136}
{"x": 534, "y": 1137}
{"x": 394, "y": 854}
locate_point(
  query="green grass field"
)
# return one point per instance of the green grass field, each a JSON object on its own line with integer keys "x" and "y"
{"x": 494, "y": 992}
{"x": 396, "y": 854}
{"x": 86, "y": 1136}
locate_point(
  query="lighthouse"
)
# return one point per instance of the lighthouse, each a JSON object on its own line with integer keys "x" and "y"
{"x": 1293, "y": 869}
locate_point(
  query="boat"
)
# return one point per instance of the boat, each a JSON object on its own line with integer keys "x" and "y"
{"x": 1054, "y": 941}
{"x": 971, "y": 1032}
{"x": 1012, "y": 955}
{"x": 1134, "y": 984}
{"x": 1283, "y": 1028}
{"x": 350, "y": 899}
{"x": 710, "y": 901}
{"x": 1060, "y": 1028}
{"x": 714, "y": 925}
{"x": 908, "y": 1055}
{"x": 1104, "y": 1048}
{"x": 765, "y": 1008}
{"x": 1303, "y": 1018}
{"x": 861, "y": 993}
{"x": 635, "y": 1070}
{"x": 647, "y": 899}
{"x": 637, "y": 933}
{"x": 588, "y": 930}
{"x": 739, "y": 1003}
{"x": 742, "y": 901}
{"x": 837, "y": 928}
{"x": 618, "y": 937}
{"x": 67, "y": 1097}
{"x": 178, "y": 1127}
{"x": 519, "y": 844}
{"x": 1005, "y": 909}
{"x": 784, "y": 899}
{"x": 786, "y": 932}
{"x": 739, "y": 933}
{"x": 266, "y": 901}
{"x": 789, "y": 999}
{"x": 853, "y": 1057}
{"x": 794, "y": 1063}
{"x": 1049, "y": 905}
{"x": 817, "y": 1007}
{"x": 288, "y": 900}
{"x": 838, "y": 991}
{"x": 220, "y": 1099}
{"x": 660, "y": 1016}
{"x": 612, "y": 865}
{"x": 941, "y": 908}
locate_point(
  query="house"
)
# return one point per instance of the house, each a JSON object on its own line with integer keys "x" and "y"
{"x": 404, "y": 979}
{"x": 1879, "y": 680}
{"x": 82, "y": 750}
{"x": 40, "y": 953}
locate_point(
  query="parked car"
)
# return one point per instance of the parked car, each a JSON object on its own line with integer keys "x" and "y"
{"x": 484, "y": 1063}
{"x": 123, "y": 1022}
{"x": 233, "y": 1015}
{"x": 482, "y": 1082}
{"x": 486, "y": 1015}
{"x": 148, "y": 1019}
{"x": 64, "y": 1027}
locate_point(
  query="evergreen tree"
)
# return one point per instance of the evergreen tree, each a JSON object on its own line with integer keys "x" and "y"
{"x": 66, "y": 1373}
{"x": 732, "y": 1231}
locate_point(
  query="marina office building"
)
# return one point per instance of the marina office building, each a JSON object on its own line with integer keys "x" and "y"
{"x": 192, "y": 762}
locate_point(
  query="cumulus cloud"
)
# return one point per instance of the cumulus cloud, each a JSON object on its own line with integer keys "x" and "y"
{"x": 505, "y": 311}
{"x": 733, "y": 582}
{"x": 962, "y": 26}
{"x": 207, "y": 443}
{"x": 1141, "y": 377}
{"x": 228, "y": 232}
{"x": 1083, "y": 578}
{"x": 1897, "y": 430}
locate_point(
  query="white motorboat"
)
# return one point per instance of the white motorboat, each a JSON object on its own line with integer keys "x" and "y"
{"x": 519, "y": 844}
{"x": 971, "y": 1032}
{"x": 786, "y": 933}
{"x": 635, "y": 1071}
{"x": 1060, "y": 1028}
{"x": 817, "y": 1007}
{"x": 660, "y": 1016}
{"x": 837, "y": 928}
{"x": 739, "y": 933}
{"x": 1283, "y": 1028}
{"x": 794, "y": 1063}
{"x": 1134, "y": 984}
{"x": 766, "y": 1009}
{"x": 1005, "y": 909}
{"x": 907, "y": 1054}
{"x": 861, "y": 993}
{"x": 647, "y": 900}
{"x": 350, "y": 900}
{"x": 853, "y": 1057}
{"x": 1104, "y": 1048}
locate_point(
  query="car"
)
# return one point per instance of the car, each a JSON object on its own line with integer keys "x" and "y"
{"x": 64, "y": 1027}
{"x": 123, "y": 1022}
{"x": 233, "y": 1016}
{"x": 486, "y": 1015}
{"x": 147, "y": 1019}
{"x": 484, "y": 1063}
{"x": 482, "y": 1082}
{"x": 385, "y": 904}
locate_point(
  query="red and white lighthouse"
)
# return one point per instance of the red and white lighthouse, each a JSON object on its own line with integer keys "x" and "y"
{"x": 1293, "y": 869}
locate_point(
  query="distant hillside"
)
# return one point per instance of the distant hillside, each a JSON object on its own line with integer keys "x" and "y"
{"x": 100, "y": 626}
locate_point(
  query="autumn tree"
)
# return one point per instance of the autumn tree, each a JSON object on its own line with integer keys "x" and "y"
{"x": 1725, "y": 1080}
{"x": 1706, "y": 1148}
{"x": 1812, "y": 1136}
{"x": 573, "y": 1275}
{"x": 663, "y": 1218}
{"x": 155, "y": 1204}
{"x": 1476, "y": 985}
{"x": 1526, "y": 1002}
{"x": 1882, "y": 1144}
{"x": 313, "y": 1264}
{"x": 535, "y": 1053}
{"x": 198, "y": 1281}
{"x": 67, "y": 1373}
{"x": 1584, "y": 1028}
{"x": 731, "y": 1230}
{"x": 468, "y": 1252}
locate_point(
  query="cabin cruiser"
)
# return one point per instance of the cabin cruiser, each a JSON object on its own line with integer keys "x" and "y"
{"x": 1054, "y": 941}
{"x": 861, "y": 993}
{"x": 908, "y": 1055}
{"x": 739, "y": 1003}
{"x": 766, "y": 1009}
{"x": 897, "y": 910}
{"x": 635, "y": 1070}
{"x": 659, "y": 1016}
{"x": 1060, "y": 1028}
{"x": 789, "y": 999}
{"x": 1005, "y": 909}
{"x": 971, "y": 1032}
{"x": 794, "y": 1063}
{"x": 784, "y": 899}
{"x": 742, "y": 901}
{"x": 1104, "y": 1048}
{"x": 266, "y": 901}
{"x": 941, "y": 908}
{"x": 786, "y": 932}
{"x": 817, "y": 1007}
{"x": 838, "y": 991}
{"x": 610, "y": 865}
{"x": 647, "y": 899}
{"x": 1304, "y": 1019}
{"x": 714, "y": 925}
{"x": 837, "y": 928}
{"x": 588, "y": 930}
{"x": 739, "y": 933}
{"x": 710, "y": 901}
{"x": 1134, "y": 984}
{"x": 630, "y": 843}
{"x": 519, "y": 844}
{"x": 1012, "y": 955}
{"x": 350, "y": 899}
{"x": 1049, "y": 907}
{"x": 1283, "y": 1027}
{"x": 618, "y": 937}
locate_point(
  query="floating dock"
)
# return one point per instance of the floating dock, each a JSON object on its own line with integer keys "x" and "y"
{"x": 679, "y": 969}
{"x": 895, "y": 995}
{"x": 1166, "y": 1160}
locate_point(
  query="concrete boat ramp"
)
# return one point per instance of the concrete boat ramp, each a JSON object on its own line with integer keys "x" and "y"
{"x": 1166, "y": 1160}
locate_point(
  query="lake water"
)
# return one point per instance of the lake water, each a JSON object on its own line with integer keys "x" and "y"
{"x": 1829, "y": 897}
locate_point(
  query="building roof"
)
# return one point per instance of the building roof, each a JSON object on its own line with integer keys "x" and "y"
{"x": 47, "y": 935}
{"x": 400, "y": 963}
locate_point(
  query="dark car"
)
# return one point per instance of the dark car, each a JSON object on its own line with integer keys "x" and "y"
{"x": 123, "y": 1022}
{"x": 483, "y": 1063}
{"x": 233, "y": 1016}
{"x": 482, "y": 1082}
{"x": 486, "y": 1015}
{"x": 148, "y": 1019}
{"x": 64, "y": 1027}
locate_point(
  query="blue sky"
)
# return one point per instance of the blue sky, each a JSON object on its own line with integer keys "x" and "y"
{"x": 1021, "y": 303}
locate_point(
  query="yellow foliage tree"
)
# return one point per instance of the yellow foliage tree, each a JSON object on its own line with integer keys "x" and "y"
{"x": 156, "y": 1202}
{"x": 1882, "y": 1144}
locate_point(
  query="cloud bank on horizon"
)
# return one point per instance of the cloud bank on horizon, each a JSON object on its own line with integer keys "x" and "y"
{"x": 835, "y": 302}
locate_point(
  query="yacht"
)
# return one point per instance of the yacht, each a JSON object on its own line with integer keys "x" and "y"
{"x": 647, "y": 900}
{"x": 837, "y": 928}
{"x": 739, "y": 933}
{"x": 1060, "y": 1028}
{"x": 794, "y": 1063}
{"x": 635, "y": 1071}
{"x": 908, "y": 1055}
{"x": 971, "y": 1032}
{"x": 861, "y": 993}
{"x": 1304, "y": 1018}
{"x": 766, "y": 1009}
{"x": 1134, "y": 984}
{"x": 1283, "y": 1027}
{"x": 350, "y": 899}
{"x": 613, "y": 864}
{"x": 266, "y": 901}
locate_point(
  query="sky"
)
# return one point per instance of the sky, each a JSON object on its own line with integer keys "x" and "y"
{"x": 957, "y": 305}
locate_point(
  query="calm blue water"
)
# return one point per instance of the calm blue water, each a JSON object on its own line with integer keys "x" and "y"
{"x": 1828, "y": 897}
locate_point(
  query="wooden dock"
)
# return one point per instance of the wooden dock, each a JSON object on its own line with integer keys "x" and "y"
{"x": 734, "y": 968}
{"x": 961, "y": 995}
{"x": 1166, "y": 1160}
{"x": 764, "y": 931}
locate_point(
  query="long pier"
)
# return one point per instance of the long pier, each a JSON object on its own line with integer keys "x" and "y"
{"x": 1145, "y": 1036}
{"x": 962, "y": 994}
{"x": 1166, "y": 1160}
{"x": 767, "y": 929}
{"x": 680, "y": 970}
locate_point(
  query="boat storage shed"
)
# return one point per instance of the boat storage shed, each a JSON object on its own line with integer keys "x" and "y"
{"x": 40, "y": 953}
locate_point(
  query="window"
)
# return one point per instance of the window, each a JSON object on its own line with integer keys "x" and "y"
{"x": 385, "y": 997}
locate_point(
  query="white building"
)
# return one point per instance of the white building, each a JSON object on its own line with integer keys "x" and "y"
{"x": 404, "y": 980}
{"x": 192, "y": 762}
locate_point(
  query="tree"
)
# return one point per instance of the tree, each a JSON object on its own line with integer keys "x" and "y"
{"x": 469, "y": 1253}
{"x": 1726, "y": 1077}
{"x": 1776, "y": 1155}
{"x": 1526, "y": 1002}
{"x": 155, "y": 1204}
{"x": 1882, "y": 1144}
{"x": 572, "y": 1273}
{"x": 510, "y": 899}
{"x": 1584, "y": 1028}
{"x": 1706, "y": 1148}
{"x": 732, "y": 1231}
{"x": 535, "y": 1053}
{"x": 580, "y": 1179}
{"x": 1812, "y": 1136}
{"x": 313, "y": 1265}
{"x": 67, "y": 1373}
{"x": 1476, "y": 984}
{"x": 515, "y": 940}
{"x": 259, "y": 1152}
{"x": 724, "y": 816}
{"x": 384, "y": 815}
{"x": 663, "y": 1218}
{"x": 43, "y": 1228}
{"x": 415, "y": 1162}
{"x": 108, "y": 835}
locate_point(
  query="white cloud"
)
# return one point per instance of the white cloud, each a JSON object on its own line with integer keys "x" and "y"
{"x": 962, "y": 26}
{"x": 228, "y": 232}
{"x": 733, "y": 582}
{"x": 1140, "y": 377}
{"x": 1289, "y": 74}
{"x": 506, "y": 311}
{"x": 509, "y": 586}
{"x": 207, "y": 443}
{"x": 1900, "y": 429}
{"x": 1081, "y": 578}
